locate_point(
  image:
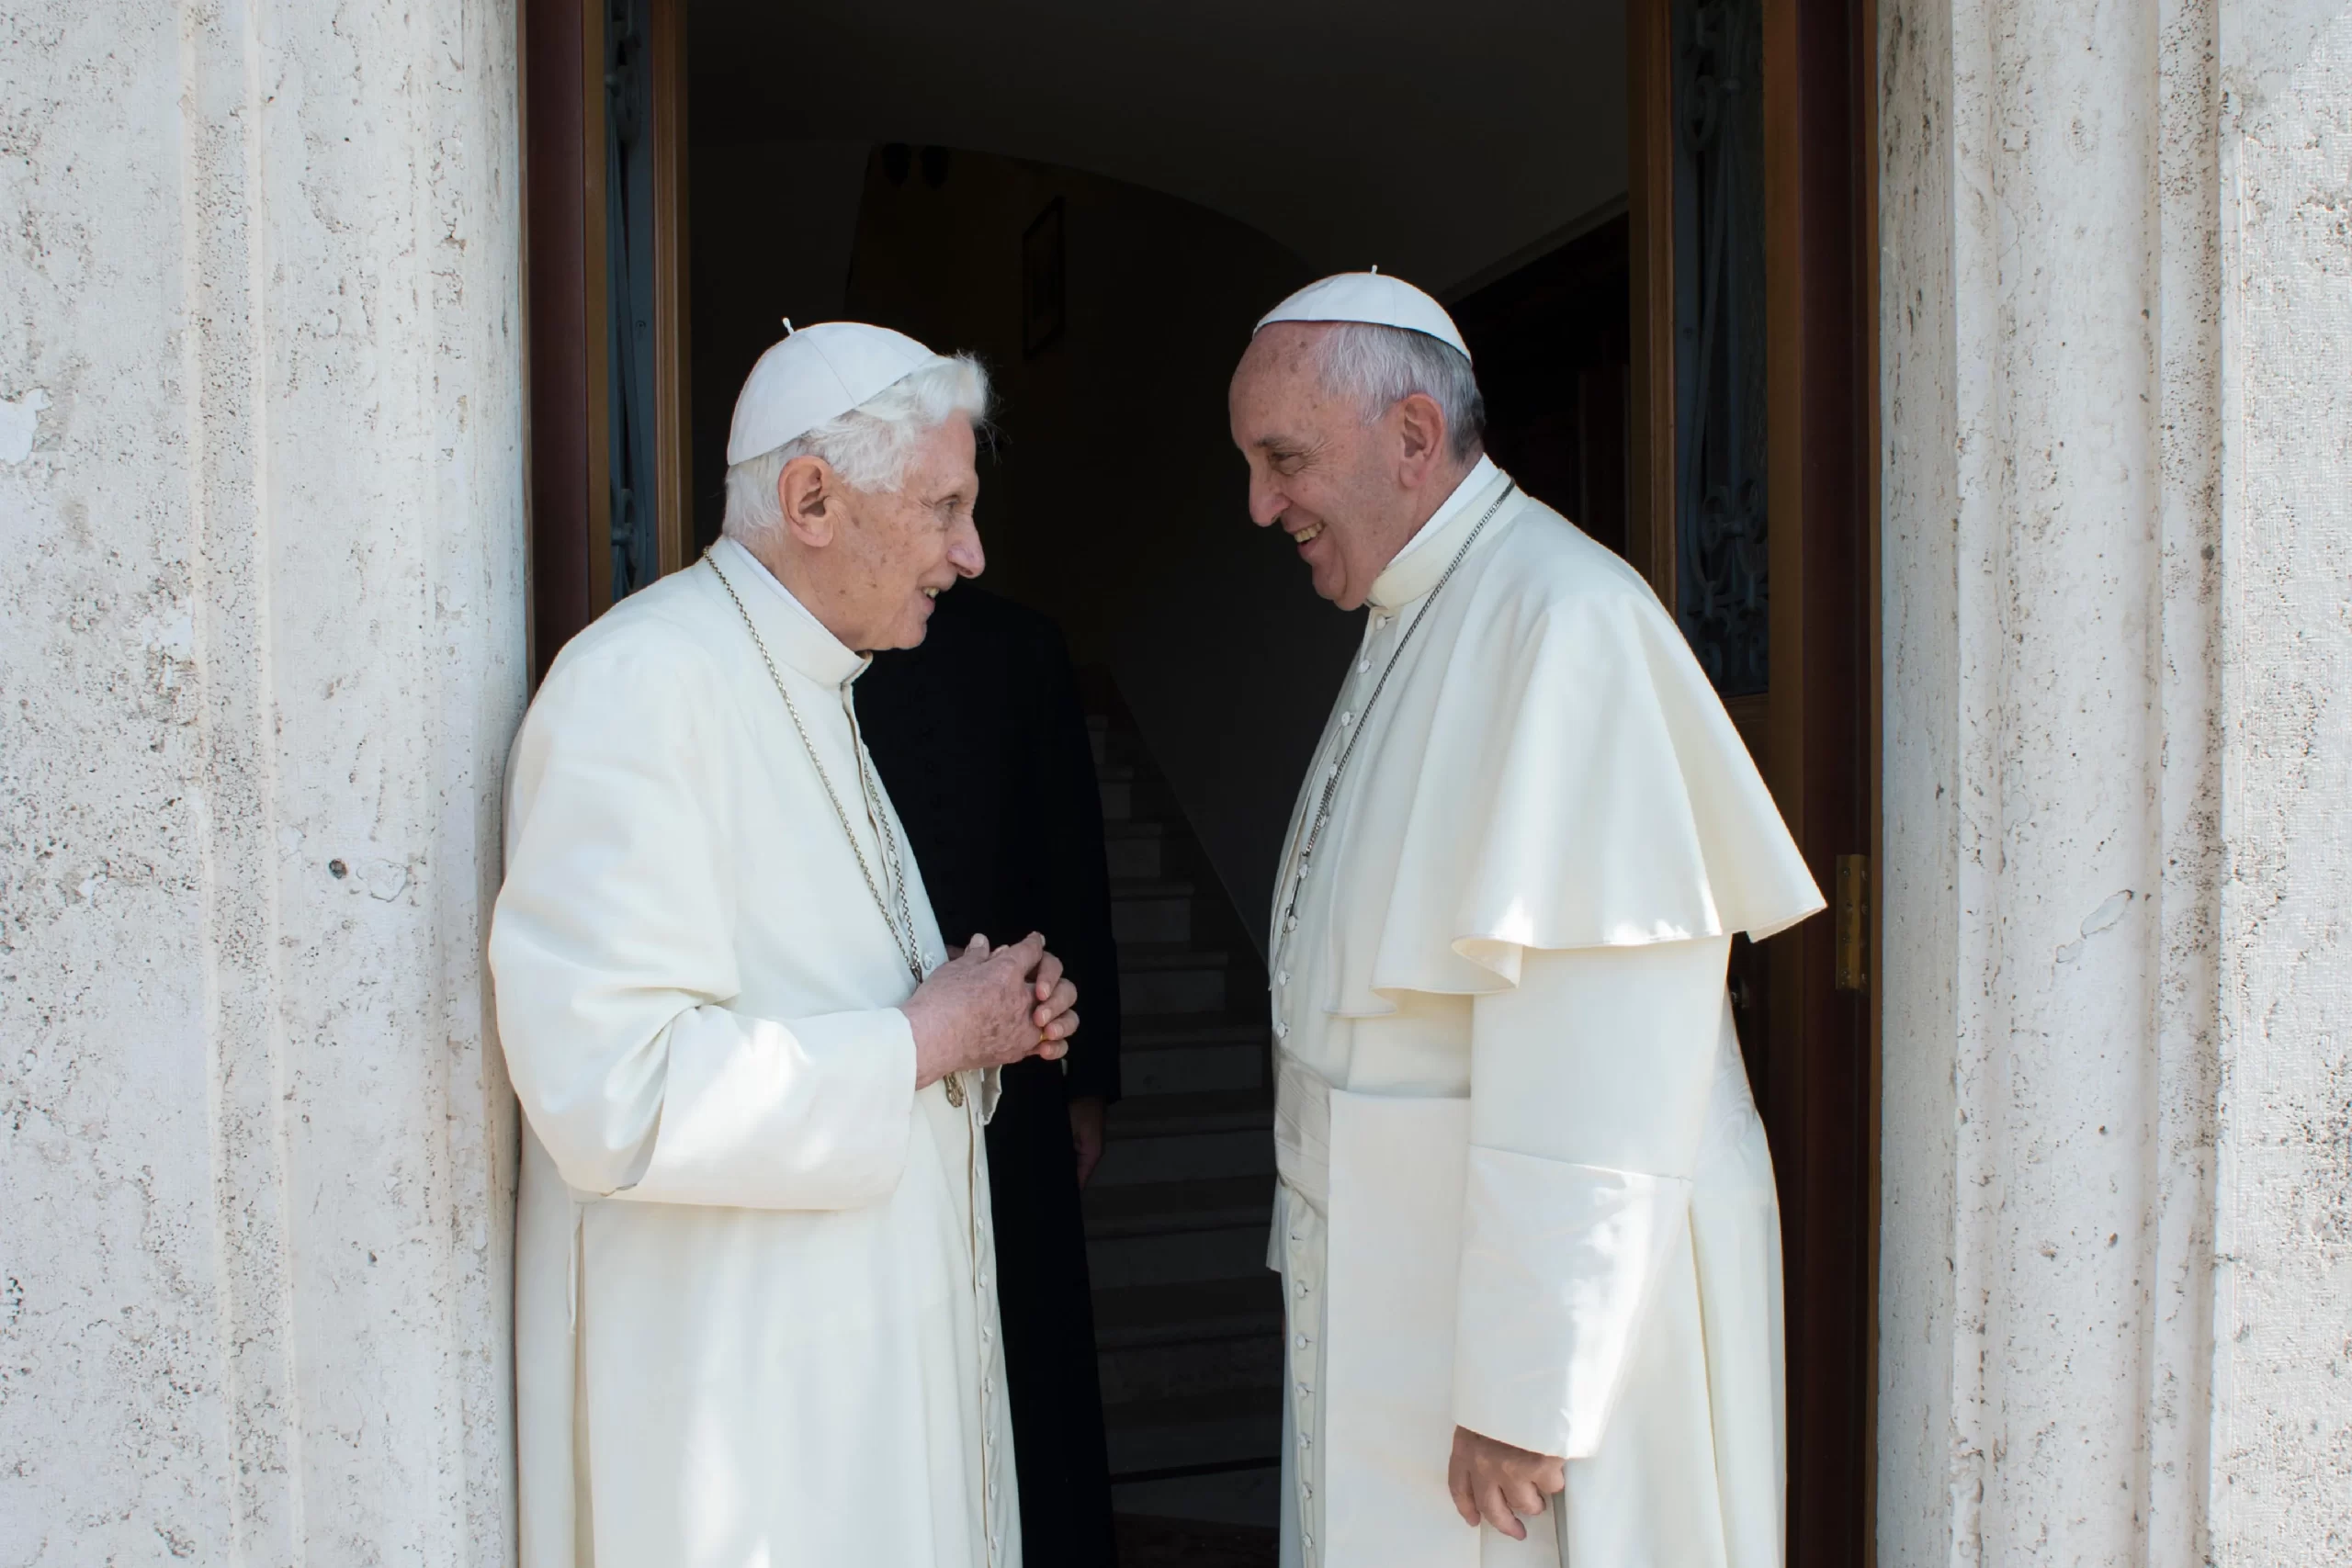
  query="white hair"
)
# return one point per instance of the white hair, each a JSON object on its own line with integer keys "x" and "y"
{"x": 1380, "y": 367}
{"x": 869, "y": 447}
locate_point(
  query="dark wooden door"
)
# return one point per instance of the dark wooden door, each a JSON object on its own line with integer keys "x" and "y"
{"x": 1751, "y": 222}
{"x": 579, "y": 56}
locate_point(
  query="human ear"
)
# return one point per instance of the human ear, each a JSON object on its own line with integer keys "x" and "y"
{"x": 809, "y": 491}
{"x": 1420, "y": 428}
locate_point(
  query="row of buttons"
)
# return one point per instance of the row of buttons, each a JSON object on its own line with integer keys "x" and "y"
{"x": 1304, "y": 1420}
{"x": 1302, "y": 1291}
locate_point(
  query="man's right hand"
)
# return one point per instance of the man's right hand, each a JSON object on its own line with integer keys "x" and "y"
{"x": 991, "y": 1008}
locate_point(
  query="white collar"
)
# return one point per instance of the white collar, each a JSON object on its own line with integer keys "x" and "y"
{"x": 1471, "y": 482}
{"x": 1414, "y": 570}
{"x": 799, "y": 638}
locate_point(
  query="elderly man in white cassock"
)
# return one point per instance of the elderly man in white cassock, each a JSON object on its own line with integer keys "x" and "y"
{"x": 1525, "y": 1220}
{"x": 755, "y": 1316}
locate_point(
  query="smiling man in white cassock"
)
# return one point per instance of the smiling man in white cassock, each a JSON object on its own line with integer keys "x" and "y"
{"x": 1525, "y": 1222}
{"x": 755, "y": 1316}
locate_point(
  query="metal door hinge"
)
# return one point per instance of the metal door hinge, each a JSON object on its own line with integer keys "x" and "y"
{"x": 1853, "y": 910}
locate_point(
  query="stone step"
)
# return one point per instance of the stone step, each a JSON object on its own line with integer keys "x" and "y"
{"x": 1166, "y": 1056}
{"x": 1179, "y": 1258}
{"x": 1177, "y": 1115}
{"x": 1135, "y": 1373}
{"x": 1135, "y": 850}
{"x": 1178, "y": 1207}
{"x": 1225, "y": 1516}
{"x": 1178, "y": 1233}
{"x": 1137, "y": 800}
{"x": 1130, "y": 1160}
{"x": 1194, "y": 1429}
{"x": 1151, "y": 911}
{"x": 1180, "y": 1314}
{"x": 1165, "y": 979}
{"x": 1187, "y": 1137}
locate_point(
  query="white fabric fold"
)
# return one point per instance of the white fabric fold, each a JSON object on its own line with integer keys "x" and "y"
{"x": 1556, "y": 774}
{"x": 1589, "y": 1091}
{"x": 1557, "y": 1262}
{"x": 809, "y": 1114}
{"x": 620, "y": 1008}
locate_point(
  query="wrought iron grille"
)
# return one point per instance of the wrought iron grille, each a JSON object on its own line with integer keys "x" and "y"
{"x": 1721, "y": 584}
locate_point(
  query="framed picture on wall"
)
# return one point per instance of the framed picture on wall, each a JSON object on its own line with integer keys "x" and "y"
{"x": 1041, "y": 281}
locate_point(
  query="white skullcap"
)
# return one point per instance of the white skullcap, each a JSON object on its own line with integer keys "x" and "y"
{"x": 1374, "y": 299}
{"x": 817, "y": 374}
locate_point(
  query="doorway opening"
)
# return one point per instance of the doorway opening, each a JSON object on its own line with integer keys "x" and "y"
{"x": 1099, "y": 201}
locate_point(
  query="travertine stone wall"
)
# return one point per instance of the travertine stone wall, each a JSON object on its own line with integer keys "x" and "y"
{"x": 261, "y": 650}
{"x": 2116, "y": 1293}
{"x": 2282, "y": 1394}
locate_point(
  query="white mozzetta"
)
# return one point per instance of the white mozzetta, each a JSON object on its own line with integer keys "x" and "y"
{"x": 2114, "y": 335}
{"x": 261, "y": 500}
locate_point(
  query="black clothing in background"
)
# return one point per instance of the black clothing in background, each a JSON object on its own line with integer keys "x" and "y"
{"x": 981, "y": 742}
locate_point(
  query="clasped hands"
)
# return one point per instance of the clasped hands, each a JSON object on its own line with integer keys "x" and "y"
{"x": 1500, "y": 1484}
{"x": 989, "y": 1008}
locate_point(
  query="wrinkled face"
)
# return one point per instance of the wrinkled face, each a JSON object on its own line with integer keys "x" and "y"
{"x": 1316, "y": 468}
{"x": 898, "y": 549}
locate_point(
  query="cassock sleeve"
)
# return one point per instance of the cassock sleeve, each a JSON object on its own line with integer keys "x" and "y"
{"x": 612, "y": 952}
{"x": 1590, "y": 1084}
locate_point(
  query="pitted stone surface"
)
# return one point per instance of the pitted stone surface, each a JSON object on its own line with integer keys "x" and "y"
{"x": 260, "y": 492}
{"x": 2114, "y": 1324}
{"x": 2282, "y": 1420}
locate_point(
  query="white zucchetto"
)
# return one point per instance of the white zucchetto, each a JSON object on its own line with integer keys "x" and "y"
{"x": 819, "y": 373}
{"x": 1374, "y": 299}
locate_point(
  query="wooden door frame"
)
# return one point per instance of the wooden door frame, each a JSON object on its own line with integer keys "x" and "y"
{"x": 566, "y": 440}
{"x": 1816, "y": 735}
{"x": 1821, "y": 283}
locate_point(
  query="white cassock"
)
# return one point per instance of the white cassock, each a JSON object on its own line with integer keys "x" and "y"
{"x": 755, "y": 1316}
{"x": 1524, "y": 1189}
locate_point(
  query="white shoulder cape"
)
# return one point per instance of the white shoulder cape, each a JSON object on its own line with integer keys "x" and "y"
{"x": 1558, "y": 774}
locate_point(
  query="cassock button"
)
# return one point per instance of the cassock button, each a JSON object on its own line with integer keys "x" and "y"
{"x": 1281, "y": 1032}
{"x": 1347, "y": 718}
{"x": 1284, "y": 979}
{"x": 1289, "y": 922}
{"x": 1302, "y": 1341}
{"x": 1363, "y": 666}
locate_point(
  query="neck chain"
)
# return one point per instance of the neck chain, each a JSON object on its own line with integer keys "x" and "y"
{"x": 1322, "y": 819}
{"x": 895, "y": 911}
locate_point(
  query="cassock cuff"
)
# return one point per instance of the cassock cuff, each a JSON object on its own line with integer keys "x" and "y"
{"x": 1558, "y": 1260}
{"x": 813, "y": 1114}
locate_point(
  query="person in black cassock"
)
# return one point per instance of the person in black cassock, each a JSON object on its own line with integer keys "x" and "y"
{"x": 981, "y": 742}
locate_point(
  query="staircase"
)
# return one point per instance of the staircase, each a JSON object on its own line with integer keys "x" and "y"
{"x": 1188, "y": 1320}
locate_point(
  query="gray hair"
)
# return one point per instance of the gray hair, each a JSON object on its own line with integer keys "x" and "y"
{"x": 1381, "y": 366}
{"x": 869, "y": 447}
